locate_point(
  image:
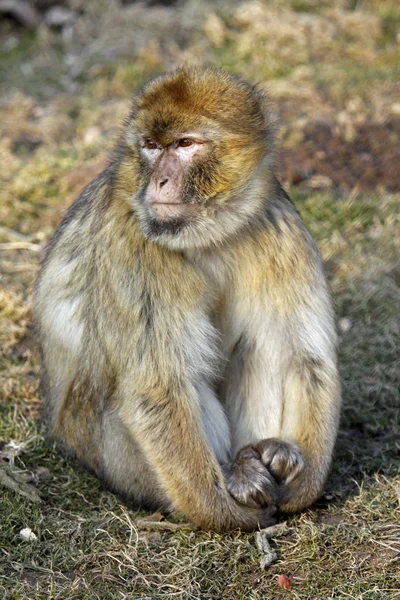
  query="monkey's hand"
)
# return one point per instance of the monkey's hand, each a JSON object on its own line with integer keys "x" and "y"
{"x": 261, "y": 471}
{"x": 249, "y": 481}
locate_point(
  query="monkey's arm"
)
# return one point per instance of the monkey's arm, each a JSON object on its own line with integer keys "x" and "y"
{"x": 166, "y": 424}
{"x": 311, "y": 405}
{"x": 282, "y": 387}
{"x": 288, "y": 418}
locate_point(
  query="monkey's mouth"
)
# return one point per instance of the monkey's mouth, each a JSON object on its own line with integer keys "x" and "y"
{"x": 165, "y": 211}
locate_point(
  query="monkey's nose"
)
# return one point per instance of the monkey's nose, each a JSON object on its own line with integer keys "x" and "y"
{"x": 162, "y": 182}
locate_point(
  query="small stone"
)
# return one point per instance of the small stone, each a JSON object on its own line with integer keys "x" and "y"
{"x": 27, "y": 535}
{"x": 59, "y": 16}
{"x": 344, "y": 324}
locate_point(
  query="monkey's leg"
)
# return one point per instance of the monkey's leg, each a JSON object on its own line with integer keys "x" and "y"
{"x": 165, "y": 423}
{"x": 287, "y": 428}
{"x": 126, "y": 468}
{"x": 310, "y": 420}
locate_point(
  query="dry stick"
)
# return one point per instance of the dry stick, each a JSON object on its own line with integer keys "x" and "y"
{"x": 268, "y": 554}
{"x": 14, "y": 482}
{"x": 20, "y": 246}
{"x": 278, "y": 530}
{"x": 161, "y": 525}
{"x": 10, "y": 267}
{"x": 13, "y": 235}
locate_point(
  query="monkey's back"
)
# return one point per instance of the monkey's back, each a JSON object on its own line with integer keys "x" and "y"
{"x": 107, "y": 303}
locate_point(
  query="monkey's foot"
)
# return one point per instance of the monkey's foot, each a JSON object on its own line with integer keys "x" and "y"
{"x": 249, "y": 481}
{"x": 282, "y": 459}
{"x": 260, "y": 472}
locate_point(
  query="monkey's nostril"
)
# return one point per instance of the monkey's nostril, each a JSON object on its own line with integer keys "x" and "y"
{"x": 163, "y": 182}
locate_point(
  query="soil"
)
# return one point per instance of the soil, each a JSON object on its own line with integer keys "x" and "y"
{"x": 370, "y": 158}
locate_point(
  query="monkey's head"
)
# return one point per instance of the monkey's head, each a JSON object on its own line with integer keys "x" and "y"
{"x": 193, "y": 143}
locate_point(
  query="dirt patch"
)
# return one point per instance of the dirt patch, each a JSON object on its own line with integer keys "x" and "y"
{"x": 347, "y": 156}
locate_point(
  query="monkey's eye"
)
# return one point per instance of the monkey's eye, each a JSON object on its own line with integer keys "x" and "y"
{"x": 185, "y": 142}
{"x": 149, "y": 144}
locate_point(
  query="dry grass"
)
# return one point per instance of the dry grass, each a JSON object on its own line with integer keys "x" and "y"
{"x": 324, "y": 63}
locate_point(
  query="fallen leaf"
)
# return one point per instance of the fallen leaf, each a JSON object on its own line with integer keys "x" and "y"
{"x": 285, "y": 582}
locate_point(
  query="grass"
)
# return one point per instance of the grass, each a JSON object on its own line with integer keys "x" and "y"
{"x": 91, "y": 545}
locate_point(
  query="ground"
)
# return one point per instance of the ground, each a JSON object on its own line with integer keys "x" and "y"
{"x": 332, "y": 69}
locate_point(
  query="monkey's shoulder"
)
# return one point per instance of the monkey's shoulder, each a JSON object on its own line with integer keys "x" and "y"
{"x": 278, "y": 257}
{"x": 281, "y": 239}
{"x": 280, "y": 216}
{"x": 84, "y": 214}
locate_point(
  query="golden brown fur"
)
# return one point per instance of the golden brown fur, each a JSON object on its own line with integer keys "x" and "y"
{"x": 171, "y": 343}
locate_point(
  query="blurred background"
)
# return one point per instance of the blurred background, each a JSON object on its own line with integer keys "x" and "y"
{"x": 69, "y": 67}
{"x": 68, "y": 70}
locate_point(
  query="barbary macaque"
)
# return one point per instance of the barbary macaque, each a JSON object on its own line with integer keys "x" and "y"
{"x": 185, "y": 325}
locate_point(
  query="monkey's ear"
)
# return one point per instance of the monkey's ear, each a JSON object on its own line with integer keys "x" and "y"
{"x": 129, "y": 130}
{"x": 134, "y": 107}
{"x": 130, "y": 136}
{"x": 269, "y": 111}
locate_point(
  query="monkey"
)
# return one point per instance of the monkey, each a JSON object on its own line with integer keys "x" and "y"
{"x": 184, "y": 321}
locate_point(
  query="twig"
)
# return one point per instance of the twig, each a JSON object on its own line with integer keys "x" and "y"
{"x": 161, "y": 525}
{"x": 268, "y": 554}
{"x": 14, "y": 481}
{"x": 10, "y": 267}
{"x": 278, "y": 530}
{"x": 13, "y": 235}
{"x": 20, "y": 246}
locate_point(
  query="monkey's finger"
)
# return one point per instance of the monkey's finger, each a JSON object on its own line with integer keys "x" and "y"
{"x": 282, "y": 459}
{"x": 251, "y": 484}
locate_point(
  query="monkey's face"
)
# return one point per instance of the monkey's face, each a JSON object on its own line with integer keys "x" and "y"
{"x": 197, "y": 138}
{"x": 171, "y": 184}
